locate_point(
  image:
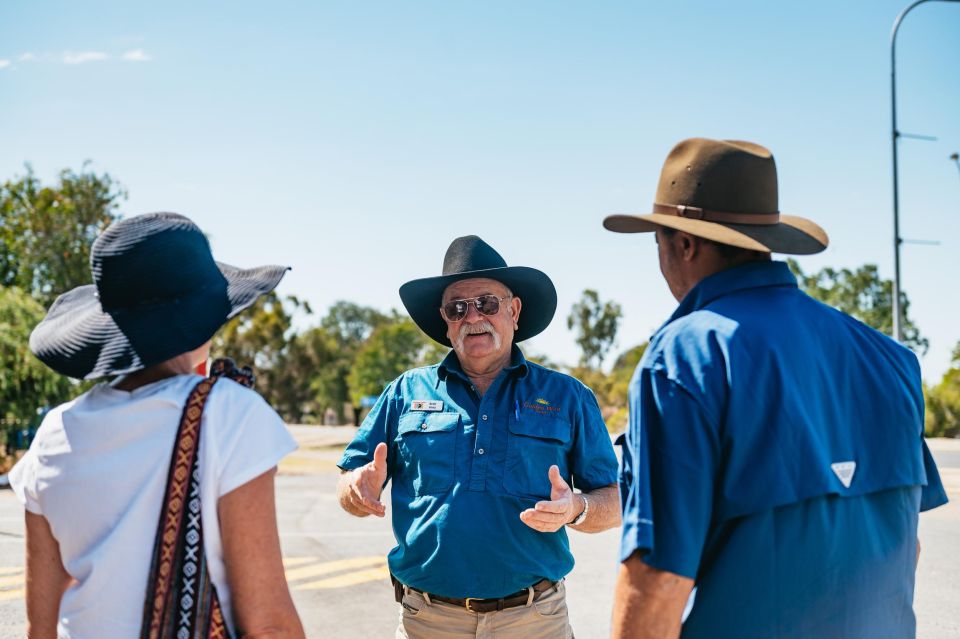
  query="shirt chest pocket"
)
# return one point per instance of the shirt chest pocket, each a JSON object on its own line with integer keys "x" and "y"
{"x": 534, "y": 444}
{"x": 427, "y": 451}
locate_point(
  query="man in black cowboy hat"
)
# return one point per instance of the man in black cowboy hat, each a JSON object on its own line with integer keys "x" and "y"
{"x": 483, "y": 450}
{"x": 775, "y": 455}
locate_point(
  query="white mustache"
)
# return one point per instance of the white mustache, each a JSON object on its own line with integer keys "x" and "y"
{"x": 477, "y": 328}
{"x": 483, "y": 326}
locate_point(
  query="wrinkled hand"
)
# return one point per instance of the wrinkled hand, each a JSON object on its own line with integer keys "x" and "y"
{"x": 563, "y": 507}
{"x": 366, "y": 484}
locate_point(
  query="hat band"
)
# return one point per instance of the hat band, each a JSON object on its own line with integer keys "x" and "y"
{"x": 696, "y": 213}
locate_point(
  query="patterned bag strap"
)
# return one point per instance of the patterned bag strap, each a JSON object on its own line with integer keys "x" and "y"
{"x": 181, "y": 601}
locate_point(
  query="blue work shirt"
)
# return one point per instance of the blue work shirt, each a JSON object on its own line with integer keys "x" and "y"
{"x": 464, "y": 467}
{"x": 775, "y": 455}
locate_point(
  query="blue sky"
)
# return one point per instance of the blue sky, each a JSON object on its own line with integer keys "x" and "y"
{"x": 355, "y": 140}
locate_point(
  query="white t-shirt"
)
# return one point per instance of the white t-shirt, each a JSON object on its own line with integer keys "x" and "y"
{"x": 97, "y": 471}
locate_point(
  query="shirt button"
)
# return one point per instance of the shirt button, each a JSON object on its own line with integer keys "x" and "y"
{"x": 484, "y": 418}
{"x": 480, "y": 452}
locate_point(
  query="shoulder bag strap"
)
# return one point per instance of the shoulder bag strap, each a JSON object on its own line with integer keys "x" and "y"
{"x": 181, "y": 601}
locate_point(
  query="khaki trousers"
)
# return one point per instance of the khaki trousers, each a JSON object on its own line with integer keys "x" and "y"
{"x": 545, "y": 618}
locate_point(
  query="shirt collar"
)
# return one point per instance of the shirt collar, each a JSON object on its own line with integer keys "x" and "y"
{"x": 451, "y": 364}
{"x": 739, "y": 278}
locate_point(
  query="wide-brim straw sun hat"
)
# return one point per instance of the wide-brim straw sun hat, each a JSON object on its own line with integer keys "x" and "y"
{"x": 470, "y": 257}
{"x": 725, "y": 191}
{"x": 157, "y": 293}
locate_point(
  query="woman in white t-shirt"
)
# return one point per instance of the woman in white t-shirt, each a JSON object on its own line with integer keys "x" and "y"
{"x": 94, "y": 479}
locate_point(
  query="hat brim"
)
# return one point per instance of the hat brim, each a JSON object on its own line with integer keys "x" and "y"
{"x": 422, "y": 299}
{"x": 79, "y": 339}
{"x": 792, "y": 236}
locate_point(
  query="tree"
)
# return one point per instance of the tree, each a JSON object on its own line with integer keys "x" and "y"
{"x": 392, "y": 349}
{"x": 943, "y": 402}
{"x": 286, "y": 364}
{"x": 46, "y": 232}
{"x": 350, "y": 325}
{"x": 596, "y": 326}
{"x": 611, "y": 389}
{"x": 864, "y": 295}
{"x": 26, "y": 384}
{"x": 432, "y": 353}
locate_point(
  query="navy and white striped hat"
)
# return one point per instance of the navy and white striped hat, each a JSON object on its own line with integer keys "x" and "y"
{"x": 157, "y": 293}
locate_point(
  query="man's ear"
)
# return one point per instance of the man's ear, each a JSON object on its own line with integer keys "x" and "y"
{"x": 515, "y": 306}
{"x": 689, "y": 245}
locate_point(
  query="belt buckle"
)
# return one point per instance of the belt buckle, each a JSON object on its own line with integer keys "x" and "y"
{"x": 466, "y": 604}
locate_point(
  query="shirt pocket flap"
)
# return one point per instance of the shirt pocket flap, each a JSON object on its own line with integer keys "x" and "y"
{"x": 427, "y": 422}
{"x": 543, "y": 428}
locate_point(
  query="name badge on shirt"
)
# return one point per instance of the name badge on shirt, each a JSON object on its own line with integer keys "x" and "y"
{"x": 431, "y": 405}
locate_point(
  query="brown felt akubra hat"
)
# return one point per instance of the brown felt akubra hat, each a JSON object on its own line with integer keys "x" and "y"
{"x": 725, "y": 191}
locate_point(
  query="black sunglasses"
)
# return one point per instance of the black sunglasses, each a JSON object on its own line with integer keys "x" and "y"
{"x": 456, "y": 310}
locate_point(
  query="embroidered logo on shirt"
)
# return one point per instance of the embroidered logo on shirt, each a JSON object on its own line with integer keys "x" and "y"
{"x": 540, "y": 406}
{"x": 844, "y": 472}
{"x": 431, "y": 405}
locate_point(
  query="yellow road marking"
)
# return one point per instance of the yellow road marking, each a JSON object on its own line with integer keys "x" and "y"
{"x": 348, "y": 579}
{"x": 356, "y": 570}
{"x": 16, "y": 580}
{"x": 333, "y": 566}
{"x": 11, "y": 594}
{"x": 290, "y": 562}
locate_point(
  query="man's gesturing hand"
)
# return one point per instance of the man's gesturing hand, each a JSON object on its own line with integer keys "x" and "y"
{"x": 563, "y": 507}
{"x": 365, "y": 484}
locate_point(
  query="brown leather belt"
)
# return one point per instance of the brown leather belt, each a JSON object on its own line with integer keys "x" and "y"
{"x": 473, "y": 604}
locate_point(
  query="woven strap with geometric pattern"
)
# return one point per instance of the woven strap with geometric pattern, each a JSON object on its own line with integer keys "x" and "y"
{"x": 181, "y": 601}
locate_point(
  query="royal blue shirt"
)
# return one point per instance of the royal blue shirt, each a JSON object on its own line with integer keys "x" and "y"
{"x": 775, "y": 455}
{"x": 463, "y": 468}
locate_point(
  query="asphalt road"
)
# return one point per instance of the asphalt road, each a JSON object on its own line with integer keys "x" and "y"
{"x": 337, "y": 571}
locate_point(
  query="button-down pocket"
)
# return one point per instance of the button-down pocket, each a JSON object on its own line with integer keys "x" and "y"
{"x": 535, "y": 443}
{"x": 427, "y": 445}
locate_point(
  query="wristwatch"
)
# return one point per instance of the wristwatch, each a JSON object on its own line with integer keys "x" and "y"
{"x": 583, "y": 515}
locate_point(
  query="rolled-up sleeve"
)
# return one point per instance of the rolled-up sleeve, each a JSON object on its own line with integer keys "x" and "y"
{"x": 23, "y": 481}
{"x": 373, "y": 430}
{"x": 667, "y": 482}
{"x": 933, "y": 494}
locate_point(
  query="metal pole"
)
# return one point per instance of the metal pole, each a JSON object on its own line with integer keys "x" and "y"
{"x": 895, "y": 138}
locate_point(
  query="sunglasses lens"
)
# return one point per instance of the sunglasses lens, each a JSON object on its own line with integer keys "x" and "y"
{"x": 488, "y": 304}
{"x": 455, "y": 311}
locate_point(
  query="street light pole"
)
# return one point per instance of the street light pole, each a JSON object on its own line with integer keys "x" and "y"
{"x": 895, "y": 138}
{"x": 956, "y": 158}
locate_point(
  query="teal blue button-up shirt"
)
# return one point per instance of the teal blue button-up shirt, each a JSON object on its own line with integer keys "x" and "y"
{"x": 463, "y": 467}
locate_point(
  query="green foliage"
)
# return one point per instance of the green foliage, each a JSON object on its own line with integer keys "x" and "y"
{"x": 432, "y": 353}
{"x": 46, "y": 232}
{"x": 286, "y": 364}
{"x": 26, "y": 384}
{"x": 862, "y": 294}
{"x": 943, "y": 402}
{"x": 611, "y": 388}
{"x": 622, "y": 372}
{"x": 391, "y": 349}
{"x": 596, "y": 326}
{"x": 350, "y": 325}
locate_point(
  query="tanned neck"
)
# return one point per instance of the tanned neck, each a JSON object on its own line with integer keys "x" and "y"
{"x": 483, "y": 373}
{"x": 152, "y": 374}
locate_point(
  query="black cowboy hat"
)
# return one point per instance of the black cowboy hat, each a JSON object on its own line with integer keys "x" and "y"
{"x": 470, "y": 257}
{"x": 157, "y": 293}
